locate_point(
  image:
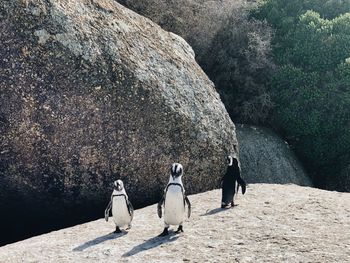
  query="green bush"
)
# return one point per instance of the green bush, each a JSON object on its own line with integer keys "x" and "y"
{"x": 311, "y": 88}
{"x": 239, "y": 64}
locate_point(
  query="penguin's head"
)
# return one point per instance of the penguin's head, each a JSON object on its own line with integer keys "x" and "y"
{"x": 232, "y": 161}
{"x": 229, "y": 160}
{"x": 118, "y": 185}
{"x": 176, "y": 170}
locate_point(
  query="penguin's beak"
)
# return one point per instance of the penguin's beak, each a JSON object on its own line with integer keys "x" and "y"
{"x": 175, "y": 175}
{"x": 118, "y": 187}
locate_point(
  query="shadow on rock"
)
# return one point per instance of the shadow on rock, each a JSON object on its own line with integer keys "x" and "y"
{"x": 150, "y": 243}
{"x": 216, "y": 210}
{"x": 99, "y": 240}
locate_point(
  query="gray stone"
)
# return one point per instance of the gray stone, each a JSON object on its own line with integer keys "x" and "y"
{"x": 91, "y": 92}
{"x": 266, "y": 158}
{"x": 343, "y": 184}
{"x": 197, "y": 21}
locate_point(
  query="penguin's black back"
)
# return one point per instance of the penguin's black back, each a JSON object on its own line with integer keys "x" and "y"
{"x": 229, "y": 183}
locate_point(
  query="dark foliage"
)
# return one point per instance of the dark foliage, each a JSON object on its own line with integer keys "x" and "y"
{"x": 240, "y": 65}
{"x": 311, "y": 88}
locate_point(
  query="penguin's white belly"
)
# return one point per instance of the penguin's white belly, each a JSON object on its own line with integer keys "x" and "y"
{"x": 174, "y": 208}
{"x": 120, "y": 211}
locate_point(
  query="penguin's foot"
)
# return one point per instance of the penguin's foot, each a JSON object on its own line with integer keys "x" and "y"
{"x": 165, "y": 232}
{"x": 233, "y": 204}
{"x": 117, "y": 230}
{"x": 179, "y": 230}
{"x": 129, "y": 227}
{"x": 224, "y": 205}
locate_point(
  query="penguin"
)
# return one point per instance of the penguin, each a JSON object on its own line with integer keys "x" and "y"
{"x": 122, "y": 209}
{"x": 174, "y": 201}
{"x": 232, "y": 175}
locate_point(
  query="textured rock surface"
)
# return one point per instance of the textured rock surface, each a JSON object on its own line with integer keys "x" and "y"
{"x": 266, "y": 158}
{"x": 272, "y": 223}
{"x": 89, "y": 92}
{"x": 197, "y": 21}
{"x": 233, "y": 50}
{"x": 344, "y": 182}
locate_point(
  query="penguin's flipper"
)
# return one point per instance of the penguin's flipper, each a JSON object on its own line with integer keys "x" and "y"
{"x": 107, "y": 210}
{"x": 241, "y": 182}
{"x": 189, "y": 206}
{"x": 130, "y": 209}
{"x": 159, "y": 207}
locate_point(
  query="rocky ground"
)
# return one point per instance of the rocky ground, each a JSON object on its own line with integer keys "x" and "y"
{"x": 271, "y": 223}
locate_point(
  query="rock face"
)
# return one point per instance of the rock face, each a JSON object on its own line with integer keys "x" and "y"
{"x": 91, "y": 92}
{"x": 197, "y": 21}
{"x": 233, "y": 50}
{"x": 266, "y": 158}
{"x": 344, "y": 182}
{"x": 272, "y": 223}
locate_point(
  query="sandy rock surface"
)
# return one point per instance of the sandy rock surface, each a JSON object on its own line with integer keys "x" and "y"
{"x": 271, "y": 223}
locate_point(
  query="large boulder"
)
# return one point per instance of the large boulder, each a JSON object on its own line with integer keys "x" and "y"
{"x": 342, "y": 183}
{"x": 197, "y": 21}
{"x": 233, "y": 49}
{"x": 91, "y": 92}
{"x": 266, "y": 158}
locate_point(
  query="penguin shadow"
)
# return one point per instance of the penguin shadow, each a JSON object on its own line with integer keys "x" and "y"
{"x": 151, "y": 243}
{"x": 217, "y": 210}
{"x": 99, "y": 240}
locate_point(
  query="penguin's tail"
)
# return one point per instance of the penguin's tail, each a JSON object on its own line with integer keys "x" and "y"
{"x": 240, "y": 182}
